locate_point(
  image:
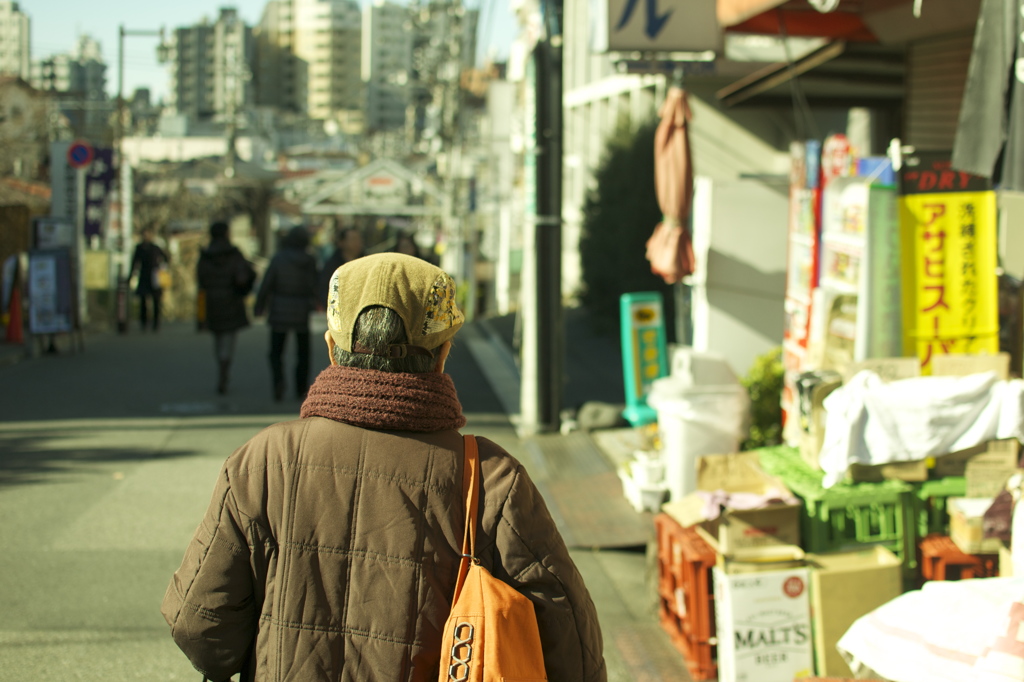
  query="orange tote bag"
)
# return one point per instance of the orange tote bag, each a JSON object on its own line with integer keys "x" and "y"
{"x": 491, "y": 634}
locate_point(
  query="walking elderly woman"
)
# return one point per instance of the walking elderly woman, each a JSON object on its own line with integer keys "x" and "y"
{"x": 331, "y": 548}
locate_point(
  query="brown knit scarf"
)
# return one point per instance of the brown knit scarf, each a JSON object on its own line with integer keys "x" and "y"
{"x": 386, "y": 401}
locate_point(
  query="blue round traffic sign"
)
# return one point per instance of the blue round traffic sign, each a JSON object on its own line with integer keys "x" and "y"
{"x": 80, "y": 154}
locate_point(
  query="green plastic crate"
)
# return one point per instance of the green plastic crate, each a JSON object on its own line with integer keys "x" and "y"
{"x": 848, "y": 514}
{"x": 930, "y": 503}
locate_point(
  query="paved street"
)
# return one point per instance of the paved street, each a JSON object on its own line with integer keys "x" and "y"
{"x": 107, "y": 461}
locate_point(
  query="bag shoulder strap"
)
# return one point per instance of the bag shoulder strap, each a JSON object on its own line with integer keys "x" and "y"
{"x": 471, "y": 496}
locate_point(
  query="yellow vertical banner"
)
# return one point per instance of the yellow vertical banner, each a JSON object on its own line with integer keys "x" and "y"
{"x": 950, "y": 297}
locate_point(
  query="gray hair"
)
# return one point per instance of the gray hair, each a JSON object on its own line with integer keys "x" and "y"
{"x": 377, "y": 328}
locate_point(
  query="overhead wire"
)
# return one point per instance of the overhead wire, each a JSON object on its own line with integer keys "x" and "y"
{"x": 806, "y": 127}
{"x": 485, "y": 25}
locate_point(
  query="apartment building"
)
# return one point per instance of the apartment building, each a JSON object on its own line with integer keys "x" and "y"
{"x": 386, "y": 64}
{"x": 15, "y": 41}
{"x": 81, "y": 71}
{"x": 308, "y": 59}
{"x": 77, "y": 82}
{"x": 275, "y": 65}
{"x": 210, "y": 73}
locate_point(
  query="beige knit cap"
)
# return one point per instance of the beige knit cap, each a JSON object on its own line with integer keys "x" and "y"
{"x": 422, "y": 294}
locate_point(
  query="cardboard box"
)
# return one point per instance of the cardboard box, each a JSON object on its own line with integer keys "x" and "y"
{"x": 775, "y": 558}
{"x": 1005, "y": 561}
{"x": 992, "y": 453}
{"x": 965, "y": 518}
{"x": 914, "y": 472}
{"x": 844, "y": 587}
{"x": 737, "y": 531}
{"x": 987, "y": 472}
{"x": 957, "y": 365}
{"x": 763, "y": 624}
{"x": 888, "y": 369}
{"x": 813, "y": 390}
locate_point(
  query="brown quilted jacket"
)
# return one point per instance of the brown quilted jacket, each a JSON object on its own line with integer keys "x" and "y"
{"x": 329, "y": 552}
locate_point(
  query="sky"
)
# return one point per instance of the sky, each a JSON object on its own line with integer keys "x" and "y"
{"x": 56, "y": 24}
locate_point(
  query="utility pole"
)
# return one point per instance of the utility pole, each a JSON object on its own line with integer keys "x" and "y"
{"x": 123, "y": 174}
{"x": 452, "y": 138}
{"x": 543, "y": 356}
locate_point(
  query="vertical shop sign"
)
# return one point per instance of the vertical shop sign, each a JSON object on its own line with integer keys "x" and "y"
{"x": 655, "y": 26}
{"x": 99, "y": 176}
{"x": 948, "y": 234}
{"x": 644, "y": 351}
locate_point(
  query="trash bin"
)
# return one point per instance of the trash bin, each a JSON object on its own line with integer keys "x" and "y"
{"x": 703, "y": 409}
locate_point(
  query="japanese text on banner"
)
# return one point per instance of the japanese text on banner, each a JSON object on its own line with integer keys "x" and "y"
{"x": 949, "y": 266}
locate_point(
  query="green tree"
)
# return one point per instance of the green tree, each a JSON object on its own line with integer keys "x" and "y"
{"x": 619, "y": 214}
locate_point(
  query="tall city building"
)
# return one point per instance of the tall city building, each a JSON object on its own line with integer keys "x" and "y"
{"x": 210, "y": 72}
{"x": 309, "y": 59}
{"x": 77, "y": 81}
{"x": 275, "y": 66}
{"x": 15, "y": 41}
{"x": 444, "y": 45}
{"x": 81, "y": 71}
{"x": 386, "y": 64}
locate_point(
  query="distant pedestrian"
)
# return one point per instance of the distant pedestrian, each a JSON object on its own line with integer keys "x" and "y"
{"x": 332, "y": 545}
{"x": 151, "y": 264}
{"x": 348, "y": 245}
{"x": 404, "y": 243}
{"x": 225, "y": 278}
{"x": 288, "y": 294}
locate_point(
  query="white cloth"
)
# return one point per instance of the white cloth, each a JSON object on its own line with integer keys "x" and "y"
{"x": 948, "y": 631}
{"x": 869, "y": 421}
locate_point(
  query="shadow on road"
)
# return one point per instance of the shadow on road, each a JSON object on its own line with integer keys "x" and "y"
{"x": 39, "y": 457}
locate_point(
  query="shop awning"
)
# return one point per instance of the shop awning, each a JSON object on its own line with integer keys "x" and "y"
{"x": 794, "y": 18}
{"x": 839, "y": 74}
{"x": 885, "y": 21}
{"x": 732, "y": 12}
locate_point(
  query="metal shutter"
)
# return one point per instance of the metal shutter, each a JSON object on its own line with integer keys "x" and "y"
{"x": 936, "y": 75}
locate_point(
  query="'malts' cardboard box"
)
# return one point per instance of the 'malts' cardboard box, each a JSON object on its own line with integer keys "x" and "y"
{"x": 844, "y": 587}
{"x": 738, "y": 531}
{"x": 763, "y": 623}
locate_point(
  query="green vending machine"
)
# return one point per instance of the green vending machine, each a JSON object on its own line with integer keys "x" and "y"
{"x": 644, "y": 352}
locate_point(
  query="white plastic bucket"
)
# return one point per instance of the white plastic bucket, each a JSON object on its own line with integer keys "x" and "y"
{"x": 697, "y": 419}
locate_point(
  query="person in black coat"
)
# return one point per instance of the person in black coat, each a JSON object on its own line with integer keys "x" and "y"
{"x": 225, "y": 278}
{"x": 148, "y": 260}
{"x": 287, "y": 294}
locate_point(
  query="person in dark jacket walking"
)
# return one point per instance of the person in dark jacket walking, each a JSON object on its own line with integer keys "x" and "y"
{"x": 149, "y": 261}
{"x": 225, "y": 278}
{"x": 288, "y": 294}
{"x": 331, "y": 546}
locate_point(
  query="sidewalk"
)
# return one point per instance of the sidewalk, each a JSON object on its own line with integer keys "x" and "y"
{"x": 11, "y": 353}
